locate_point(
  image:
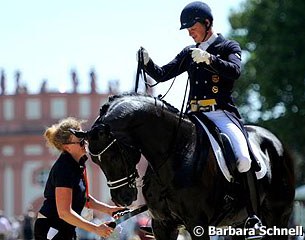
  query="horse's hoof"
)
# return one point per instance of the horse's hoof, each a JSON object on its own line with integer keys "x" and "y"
{"x": 253, "y": 222}
{"x": 253, "y": 225}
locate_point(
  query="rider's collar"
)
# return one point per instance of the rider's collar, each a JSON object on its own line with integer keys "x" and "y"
{"x": 204, "y": 45}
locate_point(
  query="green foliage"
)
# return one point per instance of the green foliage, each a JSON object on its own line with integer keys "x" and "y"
{"x": 271, "y": 90}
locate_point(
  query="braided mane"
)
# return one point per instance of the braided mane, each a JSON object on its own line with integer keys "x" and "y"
{"x": 114, "y": 98}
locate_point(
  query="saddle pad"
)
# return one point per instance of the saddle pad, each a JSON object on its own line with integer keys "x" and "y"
{"x": 222, "y": 163}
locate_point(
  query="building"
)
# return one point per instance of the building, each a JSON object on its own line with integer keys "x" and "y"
{"x": 25, "y": 161}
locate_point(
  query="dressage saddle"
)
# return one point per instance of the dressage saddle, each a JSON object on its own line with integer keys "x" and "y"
{"x": 224, "y": 142}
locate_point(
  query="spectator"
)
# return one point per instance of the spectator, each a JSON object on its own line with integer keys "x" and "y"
{"x": 5, "y": 227}
{"x": 27, "y": 226}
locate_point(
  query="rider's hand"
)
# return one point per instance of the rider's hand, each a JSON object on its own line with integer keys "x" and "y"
{"x": 103, "y": 230}
{"x": 145, "y": 55}
{"x": 199, "y": 56}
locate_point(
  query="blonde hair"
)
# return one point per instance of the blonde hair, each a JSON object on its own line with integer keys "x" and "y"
{"x": 58, "y": 134}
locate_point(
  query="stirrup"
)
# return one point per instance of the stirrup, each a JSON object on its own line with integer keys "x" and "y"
{"x": 253, "y": 224}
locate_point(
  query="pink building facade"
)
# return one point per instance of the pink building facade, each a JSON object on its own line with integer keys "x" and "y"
{"x": 25, "y": 160}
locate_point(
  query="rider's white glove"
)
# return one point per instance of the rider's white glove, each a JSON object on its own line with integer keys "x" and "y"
{"x": 145, "y": 55}
{"x": 199, "y": 56}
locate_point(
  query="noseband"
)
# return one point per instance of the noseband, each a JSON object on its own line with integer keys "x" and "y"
{"x": 129, "y": 180}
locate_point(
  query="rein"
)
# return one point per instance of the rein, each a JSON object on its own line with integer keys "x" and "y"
{"x": 141, "y": 71}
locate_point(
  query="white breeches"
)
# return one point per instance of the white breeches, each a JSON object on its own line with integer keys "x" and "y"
{"x": 236, "y": 136}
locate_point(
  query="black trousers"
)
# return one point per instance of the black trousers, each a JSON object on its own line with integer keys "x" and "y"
{"x": 43, "y": 226}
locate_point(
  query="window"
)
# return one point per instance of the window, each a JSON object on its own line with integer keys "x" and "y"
{"x": 41, "y": 177}
{"x": 33, "y": 109}
{"x": 8, "y": 150}
{"x": 8, "y": 109}
{"x": 84, "y": 107}
{"x": 33, "y": 149}
{"x": 58, "y": 108}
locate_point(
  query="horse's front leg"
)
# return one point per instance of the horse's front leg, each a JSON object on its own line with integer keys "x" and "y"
{"x": 164, "y": 230}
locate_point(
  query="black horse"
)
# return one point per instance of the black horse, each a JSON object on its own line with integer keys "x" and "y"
{"x": 183, "y": 185}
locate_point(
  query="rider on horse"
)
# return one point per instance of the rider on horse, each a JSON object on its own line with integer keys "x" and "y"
{"x": 213, "y": 64}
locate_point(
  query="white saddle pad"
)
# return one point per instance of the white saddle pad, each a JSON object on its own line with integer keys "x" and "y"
{"x": 222, "y": 163}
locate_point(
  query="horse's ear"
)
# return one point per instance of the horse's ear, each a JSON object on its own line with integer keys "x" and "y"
{"x": 104, "y": 109}
{"x": 78, "y": 133}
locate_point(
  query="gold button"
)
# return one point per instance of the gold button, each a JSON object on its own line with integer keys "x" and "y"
{"x": 215, "y": 78}
{"x": 215, "y": 89}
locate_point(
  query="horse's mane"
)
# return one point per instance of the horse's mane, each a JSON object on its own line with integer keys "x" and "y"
{"x": 114, "y": 98}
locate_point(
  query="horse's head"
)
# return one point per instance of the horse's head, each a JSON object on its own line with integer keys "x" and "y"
{"x": 117, "y": 159}
{"x": 127, "y": 126}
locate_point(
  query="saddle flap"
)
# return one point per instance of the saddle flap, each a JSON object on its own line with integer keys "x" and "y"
{"x": 221, "y": 145}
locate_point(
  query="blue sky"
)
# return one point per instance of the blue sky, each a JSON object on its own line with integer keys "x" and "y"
{"x": 46, "y": 39}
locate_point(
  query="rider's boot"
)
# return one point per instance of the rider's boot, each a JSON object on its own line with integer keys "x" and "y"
{"x": 253, "y": 223}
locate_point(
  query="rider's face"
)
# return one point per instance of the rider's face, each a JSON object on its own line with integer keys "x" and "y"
{"x": 197, "y": 32}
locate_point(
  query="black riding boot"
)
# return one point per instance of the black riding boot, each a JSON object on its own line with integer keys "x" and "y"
{"x": 253, "y": 223}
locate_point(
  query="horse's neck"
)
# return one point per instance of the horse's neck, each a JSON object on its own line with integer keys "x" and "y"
{"x": 153, "y": 128}
{"x": 187, "y": 167}
{"x": 172, "y": 151}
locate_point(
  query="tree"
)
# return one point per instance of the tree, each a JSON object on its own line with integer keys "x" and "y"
{"x": 271, "y": 90}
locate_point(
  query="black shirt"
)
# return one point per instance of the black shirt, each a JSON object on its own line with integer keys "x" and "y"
{"x": 66, "y": 172}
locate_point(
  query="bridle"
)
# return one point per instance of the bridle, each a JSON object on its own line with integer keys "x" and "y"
{"x": 98, "y": 155}
{"x": 129, "y": 180}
